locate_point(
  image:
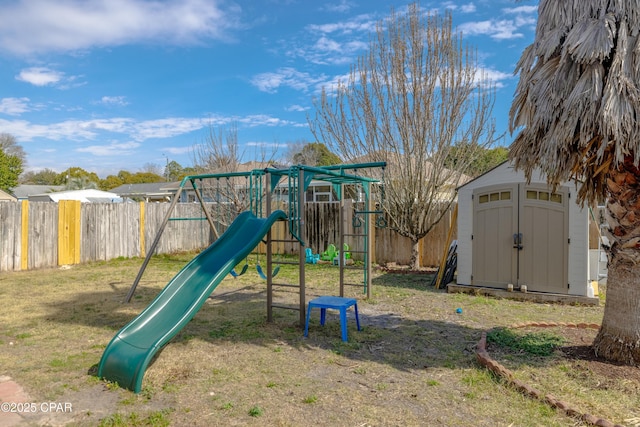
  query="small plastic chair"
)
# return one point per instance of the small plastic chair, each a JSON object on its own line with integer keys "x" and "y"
{"x": 330, "y": 253}
{"x": 311, "y": 258}
{"x": 336, "y": 303}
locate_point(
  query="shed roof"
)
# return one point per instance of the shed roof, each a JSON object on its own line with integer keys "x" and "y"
{"x": 6, "y": 197}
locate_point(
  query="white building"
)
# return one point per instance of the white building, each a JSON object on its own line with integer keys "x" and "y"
{"x": 511, "y": 232}
{"x": 85, "y": 196}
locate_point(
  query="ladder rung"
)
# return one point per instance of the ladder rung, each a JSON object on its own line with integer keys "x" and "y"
{"x": 285, "y": 285}
{"x": 354, "y": 284}
{"x": 351, "y": 267}
{"x": 287, "y": 262}
{"x": 286, "y": 307}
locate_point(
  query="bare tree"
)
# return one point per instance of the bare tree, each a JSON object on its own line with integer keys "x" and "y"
{"x": 220, "y": 153}
{"x": 9, "y": 145}
{"x": 153, "y": 168}
{"x": 294, "y": 150}
{"x": 576, "y": 109}
{"x": 417, "y": 94}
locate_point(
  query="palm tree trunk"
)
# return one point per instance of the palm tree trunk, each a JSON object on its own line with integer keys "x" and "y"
{"x": 619, "y": 336}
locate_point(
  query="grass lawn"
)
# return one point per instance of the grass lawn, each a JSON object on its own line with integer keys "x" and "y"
{"x": 413, "y": 363}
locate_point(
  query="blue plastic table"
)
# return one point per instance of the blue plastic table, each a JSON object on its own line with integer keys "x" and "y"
{"x": 335, "y": 303}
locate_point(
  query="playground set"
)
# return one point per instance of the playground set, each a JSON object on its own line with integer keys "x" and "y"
{"x": 244, "y": 218}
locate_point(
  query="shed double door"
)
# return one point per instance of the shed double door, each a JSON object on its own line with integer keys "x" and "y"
{"x": 520, "y": 236}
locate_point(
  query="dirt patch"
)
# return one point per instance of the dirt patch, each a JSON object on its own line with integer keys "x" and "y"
{"x": 571, "y": 372}
{"x": 392, "y": 267}
{"x": 579, "y": 352}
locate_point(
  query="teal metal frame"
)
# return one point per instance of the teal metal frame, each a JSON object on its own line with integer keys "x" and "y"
{"x": 263, "y": 182}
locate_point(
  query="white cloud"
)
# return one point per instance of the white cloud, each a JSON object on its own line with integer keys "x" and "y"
{"x": 468, "y": 8}
{"x": 331, "y": 85}
{"x": 522, "y": 9}
{"x": 358, "y": 24}
{"x": 342, "y": 6}
{"x": 81, "y": 131}
{"x": 165, "y": 128}
{"x": 464, "y": 8}
{"x": 111, "y": 149}
{"x": 14, "y": 106}
{"x": 263, "y": 120}
{"x": 177, "y": 150}
{"x": 496, "y": 29}
{"x": 114, "y": 100}
{"x": 496, "y": 77}
{"x": 508, "y": 26}
{"x": 34, "y": 26}
{"x": 26, "y": 131}
{"x": 264, "y": 144}
{"x": 40, "y": 76}
{"x": 284, "y": 77}
{"x": 297, "y": 108}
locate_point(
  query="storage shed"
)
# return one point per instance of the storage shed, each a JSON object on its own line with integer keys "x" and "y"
{"x": 511, "y": 232}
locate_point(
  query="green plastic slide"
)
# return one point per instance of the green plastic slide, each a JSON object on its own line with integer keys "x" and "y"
{"x": 127, "y": 356}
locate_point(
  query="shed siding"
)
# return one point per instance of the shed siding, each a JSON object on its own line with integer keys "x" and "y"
{"x": 578, "y": 257}
{"x": 579, "y": 247}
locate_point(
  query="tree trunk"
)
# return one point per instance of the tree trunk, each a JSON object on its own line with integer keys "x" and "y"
{"x": 415, "y": 255}
{"x": 619, "y": 336}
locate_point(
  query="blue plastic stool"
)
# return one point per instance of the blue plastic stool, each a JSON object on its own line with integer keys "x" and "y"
{"x": 336, "y": 303}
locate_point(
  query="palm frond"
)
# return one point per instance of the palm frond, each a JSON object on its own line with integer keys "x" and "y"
{"x": 577, "y": 104}
{"x": 591, "y": 39}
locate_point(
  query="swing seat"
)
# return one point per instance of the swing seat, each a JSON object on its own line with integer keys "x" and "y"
{"x": 236, "y": 274}
{"x": 264, "y": 276}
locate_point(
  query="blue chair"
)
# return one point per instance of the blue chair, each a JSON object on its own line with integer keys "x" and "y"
{"x": 335, "y": 303}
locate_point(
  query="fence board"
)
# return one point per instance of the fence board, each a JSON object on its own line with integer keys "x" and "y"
{"x": 10, "y": 226}
{"x": 43, "y": 235}
{"x": 113, "y": 230}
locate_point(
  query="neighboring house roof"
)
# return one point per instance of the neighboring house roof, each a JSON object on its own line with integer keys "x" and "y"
{"x": 6, "y": 197}
{"x": 85, "y": 196}
{"x": 22, "y": 192}
{"x": 154, "y": 191}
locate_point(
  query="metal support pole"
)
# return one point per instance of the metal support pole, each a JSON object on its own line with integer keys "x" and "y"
{"x": 204, "y": 208}
{"x": 269, "y": 253}
{"x": 152, "y": 249}
{"x": 341, "y": 258}
{"x": 301, "y": 253}
{"x": 369, "y": 241}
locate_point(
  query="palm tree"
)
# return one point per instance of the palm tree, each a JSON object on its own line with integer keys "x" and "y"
{"x": 577, "y": 112}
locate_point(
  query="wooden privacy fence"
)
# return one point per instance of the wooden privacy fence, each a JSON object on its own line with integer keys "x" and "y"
{"x": 46, "y": 234}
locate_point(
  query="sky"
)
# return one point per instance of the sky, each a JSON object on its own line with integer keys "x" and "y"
{"x": 110, "y": 85}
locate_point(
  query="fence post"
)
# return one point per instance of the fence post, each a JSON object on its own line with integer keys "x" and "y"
{"x": 24, "y": 236}
{"x": 143, "y": 252}
{"x": 69, "y": 232}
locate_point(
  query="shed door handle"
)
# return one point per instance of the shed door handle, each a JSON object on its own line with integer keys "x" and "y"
{"x": 517, "y": 241}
